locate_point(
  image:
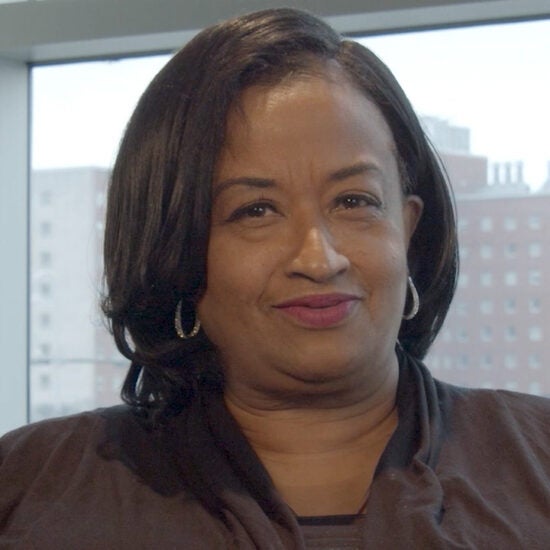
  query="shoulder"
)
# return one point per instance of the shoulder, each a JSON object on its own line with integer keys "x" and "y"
{"x": 53, "y": 447}
{"x": 47, "y": 435}
{"x": 501, "y": 403}
{"x": 497, "y": 419}
{"x": 73, "y": 432}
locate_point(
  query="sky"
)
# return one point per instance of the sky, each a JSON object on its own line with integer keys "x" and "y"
{"x": 494, "y": 80}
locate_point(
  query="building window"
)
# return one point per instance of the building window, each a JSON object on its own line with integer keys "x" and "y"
{"x": 44, "y": 381}
{"x": 534, "y": 305}
{"x": 511, "y": 278}
{"x": 535, "y": 250}
{"x": 510, "y": 251}
{"x": 45, "y": 198}
{"x": 486, "y": 224}
{"x": 486, "y": 278}
{"x": 45, "y": 320}
{"x": 486, "y": 334}
{"x": 45, "y": 349}
{"x": 486, "y": 251}
{"x": 535, "y": 333}
{"x": 45, "y": 229}
{"x": 534, "y": 222}
{"x": 45, "y": 289}
{"x": 510, "y": 333}
{"x": 533, "y": 360}
{"x": 510, "y": 361}
{"x": 535, "y": 388}
{"x": 463, "y": 280}
{"x": 510, "y": 305}
{"x": 486, "y": 307}
{"x": 534, "y": 277}
{"x": 486, "y": 362}
{"x": 510, "y": 224}
{"x": 45, "y": 259}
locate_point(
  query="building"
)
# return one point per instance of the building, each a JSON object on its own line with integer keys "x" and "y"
{"x": 74, "y": 365}
{"x": 494, "y": 333}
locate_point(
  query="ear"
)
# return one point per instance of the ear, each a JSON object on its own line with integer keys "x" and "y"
{"x": 413, "y": 206}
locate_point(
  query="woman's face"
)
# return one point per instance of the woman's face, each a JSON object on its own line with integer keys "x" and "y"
{"x": 307, "y": 254}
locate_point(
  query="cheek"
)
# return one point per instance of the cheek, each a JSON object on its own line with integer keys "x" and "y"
{"x": 236, "y": 276}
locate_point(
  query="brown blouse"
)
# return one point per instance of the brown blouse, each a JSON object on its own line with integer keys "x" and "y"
{"x": 464, "y": 469}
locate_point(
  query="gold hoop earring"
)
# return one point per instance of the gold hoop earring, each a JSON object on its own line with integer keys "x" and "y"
{"x": 415, "y": 300}
{"x": 179, "y": 327}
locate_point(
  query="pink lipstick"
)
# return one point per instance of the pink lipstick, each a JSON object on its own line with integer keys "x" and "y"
{"x": 319, "y": 310}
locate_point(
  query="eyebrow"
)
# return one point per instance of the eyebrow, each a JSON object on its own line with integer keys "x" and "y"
{"x": 259, "y": 183}
{"x": 354, "y": 170}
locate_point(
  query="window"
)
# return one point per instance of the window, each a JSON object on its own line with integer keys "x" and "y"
{"x": 534, "y": 305}
{"x": 510, "y": 250}
{"x": 445, "y": 103}
{"x": 45, "y": 259}
{"x": 533, "y": 361}
{"x": 74, "y": 196}
{"x": 510, "y": 333}
{"x": 486, "y": 334}
{"x": 510, "y": 224}
{"x": 486, "y": 307}
{"x": 486, "y": 278}
{"x": 510, "y": 361}
{"x": 463, "y": 280}
{"x": 535, "y": 277}
{"x": 510, "y": 305}
{"x": 486, "y": 224}
{"x": 486, "y": 251}
{"x": 535, "y": 333}
{"x": 45, "y": 320}
{"x": 534, "y": 222}
{"x": 535, "y": 250}
{"x": 486, "y": 362}
{"x": 45, "y": 228}
{"x": 45, "y": 289}
{"x": 511, "y": 278}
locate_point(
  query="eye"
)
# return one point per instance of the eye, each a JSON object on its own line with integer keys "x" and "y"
{"x": 253, "y": 210}
{"x": 351, "y": 201}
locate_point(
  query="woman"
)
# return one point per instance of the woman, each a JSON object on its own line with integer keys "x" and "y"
{"x": 280, "y": 253}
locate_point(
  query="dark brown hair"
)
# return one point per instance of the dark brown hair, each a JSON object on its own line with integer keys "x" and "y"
{"x": 158, "y": 213}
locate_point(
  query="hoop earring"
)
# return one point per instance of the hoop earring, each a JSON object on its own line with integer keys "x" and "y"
{"x": 179, "y": 327}
{"x": 415, "y": 301}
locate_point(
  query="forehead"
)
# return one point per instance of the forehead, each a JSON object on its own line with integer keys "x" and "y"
{"x": 318, "y": 116}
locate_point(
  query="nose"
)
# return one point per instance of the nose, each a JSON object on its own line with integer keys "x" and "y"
{"x": 315, "y": 257}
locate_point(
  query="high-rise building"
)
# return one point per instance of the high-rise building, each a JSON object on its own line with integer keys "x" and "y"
{"x": 74, "y": 364}
{"x": 494, "y": 333}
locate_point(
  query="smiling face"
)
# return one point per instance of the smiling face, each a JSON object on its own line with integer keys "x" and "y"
{"x": 307, "y": 253}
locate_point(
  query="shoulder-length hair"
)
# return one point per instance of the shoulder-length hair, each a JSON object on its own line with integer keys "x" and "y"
{"x": 159, "y": 200}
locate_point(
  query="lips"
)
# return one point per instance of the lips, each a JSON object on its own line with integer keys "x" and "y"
{"x": 319, "y": 310}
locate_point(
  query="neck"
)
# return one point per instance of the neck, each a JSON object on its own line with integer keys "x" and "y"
{"x": 321, "y": 459}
